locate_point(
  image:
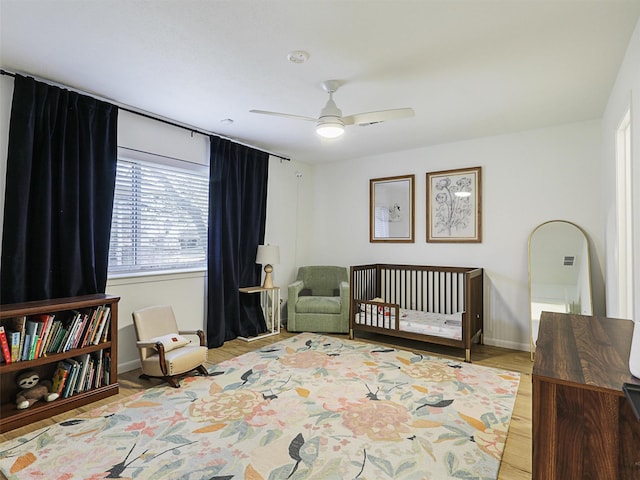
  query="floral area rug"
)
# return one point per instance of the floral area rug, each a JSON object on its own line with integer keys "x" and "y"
{"x": 309, "y": 407}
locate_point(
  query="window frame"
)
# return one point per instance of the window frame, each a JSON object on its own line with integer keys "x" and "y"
{"x": 624, "y": 216}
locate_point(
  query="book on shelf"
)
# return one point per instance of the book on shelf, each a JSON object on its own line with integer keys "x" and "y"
{"x": 26, "y": 346}
{"x": 50, "y": 328}
{"x": 43, "y": 322}
{"x": 68, "y": 329}
{"x": 98, "y": 367}
{"x": 101, "y": 326}
{"x": 4, "y": 345}
{"x": 91, "y": 325}
{"x": 19, "y": 325}
{"x": 82, "y": 322}
{"x": 57, "y": 342}
{"x": 88, "y": 383}
{"x": 106, "y": 368}
{"x": 13, "y": 338}
{"x": 60, "y": 377}
{"x": 36, "y": 340}
{"x": 86, "y": 373}
{"x": 53, "y": 333}
{"x": 31, "y": 332}
{"x": 105, "y": 332}
{"x": 90, "y": 377}
{"x": 99, "y": 315}
{"x": 84, "y": 362}
{"x": 35, "y": 347}
{"x": 46, "y": 320}
{"x": 72, "y": 378}
{"x": 73, "y": 330}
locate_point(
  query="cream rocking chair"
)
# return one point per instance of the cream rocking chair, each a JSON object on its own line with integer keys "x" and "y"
{"x": 164, "y": 352}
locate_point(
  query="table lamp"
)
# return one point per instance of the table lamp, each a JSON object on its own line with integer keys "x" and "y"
{"x": 268, "y": 255}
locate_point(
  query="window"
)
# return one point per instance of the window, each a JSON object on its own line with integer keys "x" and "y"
{"x": 159, "y": 215}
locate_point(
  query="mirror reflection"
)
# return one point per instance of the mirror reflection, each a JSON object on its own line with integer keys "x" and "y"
{"x": 559, "y": 272}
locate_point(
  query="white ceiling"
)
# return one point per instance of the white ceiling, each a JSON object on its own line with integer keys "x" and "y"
{"x": 468, "y": 68}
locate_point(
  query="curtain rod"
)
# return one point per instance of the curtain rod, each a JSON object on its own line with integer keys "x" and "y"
{"x": 142, "y": 113}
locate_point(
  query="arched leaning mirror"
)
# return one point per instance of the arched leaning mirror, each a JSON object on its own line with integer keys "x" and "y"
{"x": 559, "y": 272}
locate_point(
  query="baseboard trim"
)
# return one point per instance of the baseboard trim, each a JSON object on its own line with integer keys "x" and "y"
{"x": 128, "y": 366}
{"x": 506, "y": 344}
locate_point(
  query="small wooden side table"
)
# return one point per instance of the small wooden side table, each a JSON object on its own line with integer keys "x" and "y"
{"x": 270, "y": 303}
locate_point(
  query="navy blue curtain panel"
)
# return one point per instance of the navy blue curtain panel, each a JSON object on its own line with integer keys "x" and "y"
{"x": 237, "y": 213}
{"x": 61, "y": 168}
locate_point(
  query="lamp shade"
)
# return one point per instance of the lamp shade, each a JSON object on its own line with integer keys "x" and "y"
{"x": 268, "y": 255}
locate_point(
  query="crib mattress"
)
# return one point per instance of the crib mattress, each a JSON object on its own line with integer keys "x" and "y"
{"x": 447, "y": 325}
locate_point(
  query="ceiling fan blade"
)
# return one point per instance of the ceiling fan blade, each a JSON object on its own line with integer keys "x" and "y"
{"x": 286, "y": 115}
{"x": 377, "y": 117}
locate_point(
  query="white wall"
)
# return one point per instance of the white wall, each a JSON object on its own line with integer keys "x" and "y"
{"x": 528, "y": 178}
{"x": 147, "y": 135}
{"x": 185, "y": 292}
{"x": 289, "y": 215}
{"x": 624, "y": 95}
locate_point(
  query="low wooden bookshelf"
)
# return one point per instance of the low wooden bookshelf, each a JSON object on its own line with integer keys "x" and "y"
{"x": 45, "y": 365}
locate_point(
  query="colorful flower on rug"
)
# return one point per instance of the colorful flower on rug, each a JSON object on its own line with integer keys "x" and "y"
{"x": 381, "y": 420}
{"x": 309, "y": 407}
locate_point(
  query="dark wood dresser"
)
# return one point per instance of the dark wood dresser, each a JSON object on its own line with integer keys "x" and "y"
{"x": 583, "y": 426}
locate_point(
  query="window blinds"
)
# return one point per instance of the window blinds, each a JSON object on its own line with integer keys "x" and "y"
{"x": 159, "y": 218}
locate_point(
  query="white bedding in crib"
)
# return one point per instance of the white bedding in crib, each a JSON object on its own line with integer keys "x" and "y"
{"x": 448, "y": 325}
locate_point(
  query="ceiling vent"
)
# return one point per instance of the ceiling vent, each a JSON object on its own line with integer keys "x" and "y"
{"x": 569, "y": 260}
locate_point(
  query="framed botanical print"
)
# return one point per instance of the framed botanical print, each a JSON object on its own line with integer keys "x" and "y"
{"x": 454, "y": 202}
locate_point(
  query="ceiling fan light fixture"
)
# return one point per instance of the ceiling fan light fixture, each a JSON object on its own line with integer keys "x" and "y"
{"x": 331, "y": 123}
{"x": 330, "y": 128}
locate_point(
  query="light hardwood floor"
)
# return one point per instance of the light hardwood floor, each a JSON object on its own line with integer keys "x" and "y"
{"x": 516, "y": 461}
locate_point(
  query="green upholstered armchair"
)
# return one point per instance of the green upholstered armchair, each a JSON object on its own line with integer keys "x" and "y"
{"x": 319, "y": 300}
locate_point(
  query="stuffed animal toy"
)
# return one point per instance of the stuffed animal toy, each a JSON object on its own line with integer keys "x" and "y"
{"x": 33, "y": 389}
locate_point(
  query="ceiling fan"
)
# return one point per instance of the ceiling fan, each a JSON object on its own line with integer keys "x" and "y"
{"x": 331, "y": 123}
